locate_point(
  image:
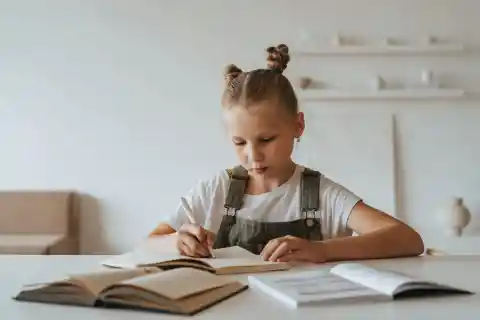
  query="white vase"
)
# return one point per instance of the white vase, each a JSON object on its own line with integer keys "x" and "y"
{"x": 427, "y": 77}
{"x": 378, "y": 83}
{"x": 455, "y": 216}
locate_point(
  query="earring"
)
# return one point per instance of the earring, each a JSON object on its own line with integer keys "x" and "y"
{"x": 298, "y": 139}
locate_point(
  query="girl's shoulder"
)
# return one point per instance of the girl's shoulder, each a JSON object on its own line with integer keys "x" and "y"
{"x": 213, "y": 184}
{"x": 328, "y": 186}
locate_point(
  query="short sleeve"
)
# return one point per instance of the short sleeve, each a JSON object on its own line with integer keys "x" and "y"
{"x": 190, "y": 207}
{"x": 338, "y": 204}
{"x": 201, "y": 204}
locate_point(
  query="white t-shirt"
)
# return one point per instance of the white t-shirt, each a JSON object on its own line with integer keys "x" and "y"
{"x": 206, "y": 201}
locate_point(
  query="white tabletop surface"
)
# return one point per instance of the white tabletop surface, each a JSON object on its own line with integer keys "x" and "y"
{"x": 461, "y": 271}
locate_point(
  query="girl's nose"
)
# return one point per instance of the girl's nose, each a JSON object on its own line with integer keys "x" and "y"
{"x": 255, "y": 154}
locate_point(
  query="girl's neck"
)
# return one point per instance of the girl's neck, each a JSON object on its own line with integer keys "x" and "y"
{"x": 259, "y": 184}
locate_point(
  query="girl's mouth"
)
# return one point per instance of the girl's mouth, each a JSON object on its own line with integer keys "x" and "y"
{"x": 260, "y": 170}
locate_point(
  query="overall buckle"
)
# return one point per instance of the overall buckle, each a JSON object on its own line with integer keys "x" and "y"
{"x": 310, "y": 221}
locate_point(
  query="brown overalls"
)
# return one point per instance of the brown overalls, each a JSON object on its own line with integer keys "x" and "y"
{"x": 254, "y": 235}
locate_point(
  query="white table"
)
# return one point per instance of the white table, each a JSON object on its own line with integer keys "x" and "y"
{"x": 460, "y": 271}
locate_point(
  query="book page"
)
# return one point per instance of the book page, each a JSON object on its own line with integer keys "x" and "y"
{"x": 316, "y": 286}
{"x": 381, "y": 280}
{"x": 178, "y": 283}
{"x": 97, "y": 281}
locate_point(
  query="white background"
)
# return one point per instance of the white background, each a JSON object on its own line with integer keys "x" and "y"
{"x": 120, "y": 101}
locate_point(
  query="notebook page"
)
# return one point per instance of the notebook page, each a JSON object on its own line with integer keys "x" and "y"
{"x": 383, "y": 281}
{"x": 137, "y": 258}
{"x": 224, "y": 257}
{"x": 235, "y": 252}
{"x": 153, "y": 250}
{"x": 235, "y": 257}
{"x": 239, "y": 262}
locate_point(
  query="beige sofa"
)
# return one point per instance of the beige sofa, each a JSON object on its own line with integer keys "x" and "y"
{"x": 39, "y": 222}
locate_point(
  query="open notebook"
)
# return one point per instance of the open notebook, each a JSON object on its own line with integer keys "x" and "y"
{"x": 181, "y": 291}
{"x": 231, "y": 260}
{"x": 345, "y": 283}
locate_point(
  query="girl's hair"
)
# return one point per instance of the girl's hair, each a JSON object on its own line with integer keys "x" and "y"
{"x": 249, "y": 87}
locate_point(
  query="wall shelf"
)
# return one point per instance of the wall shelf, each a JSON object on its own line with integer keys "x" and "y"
{"x": 381, "y": 49}
{"x": 329, "y": 94}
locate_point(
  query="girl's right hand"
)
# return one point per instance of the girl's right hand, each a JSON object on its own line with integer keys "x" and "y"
{"x": 194, "y": 241}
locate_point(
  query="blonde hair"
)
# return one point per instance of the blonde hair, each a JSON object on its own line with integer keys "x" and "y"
{"x": 249, "y": 87}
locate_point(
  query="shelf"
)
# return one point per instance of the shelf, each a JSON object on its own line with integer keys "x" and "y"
{"x": 319, "y": 94}
{"x": 381, "y": 50}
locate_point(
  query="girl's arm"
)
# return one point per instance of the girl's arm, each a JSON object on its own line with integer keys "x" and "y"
{"x": 380, "y": 236}
{"x": 161, "y": 230}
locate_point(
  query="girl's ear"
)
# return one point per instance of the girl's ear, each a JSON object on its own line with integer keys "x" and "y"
{"x": 300, "y": 125}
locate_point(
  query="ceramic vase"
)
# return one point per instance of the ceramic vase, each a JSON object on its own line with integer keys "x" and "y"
{"x": 305, "y": 82}
{"x": 427, "y": 77}
{"x": 378, "y": 83}
{"x": 455, "y": 216}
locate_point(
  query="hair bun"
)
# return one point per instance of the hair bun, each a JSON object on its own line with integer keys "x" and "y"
{"x": 278, "y": 57}
{"x": 231, "y": 72}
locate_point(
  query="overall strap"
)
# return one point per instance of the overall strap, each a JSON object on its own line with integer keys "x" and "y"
{"x": 236, "y": 189}
{"x": 310, "y": 191}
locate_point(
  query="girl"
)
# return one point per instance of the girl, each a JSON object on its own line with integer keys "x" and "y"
{"x": 270, "y": 205}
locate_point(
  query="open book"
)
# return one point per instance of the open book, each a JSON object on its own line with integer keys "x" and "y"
{"x": 180, "y": 291}
{"x": 231, "y": 260}
{"x": 347, "y": 282}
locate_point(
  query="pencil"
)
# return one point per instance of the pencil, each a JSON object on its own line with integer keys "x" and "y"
{"x": 191, "y": 218}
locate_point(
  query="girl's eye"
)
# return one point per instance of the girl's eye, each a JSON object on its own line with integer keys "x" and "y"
{"x": 239, "y": 143}
{"x": 267, "y": 139}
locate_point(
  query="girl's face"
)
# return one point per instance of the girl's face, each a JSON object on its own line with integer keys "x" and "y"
{"x": 263, "y": 136}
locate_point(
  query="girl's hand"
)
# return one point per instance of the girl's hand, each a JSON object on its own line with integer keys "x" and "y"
{"x": 194, "y": 241}
{"x": 291, "y": 248}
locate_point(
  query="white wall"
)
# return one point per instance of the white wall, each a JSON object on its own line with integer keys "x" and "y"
{"x": 120, "y": 99}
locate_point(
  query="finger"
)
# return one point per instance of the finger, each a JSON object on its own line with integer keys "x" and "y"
{"x": 198, "y": 248}
{"x": 284, "y": 248}
{"x": 270, "y": 248}
{"x": 179, "y": 245}
{"x": 183, "y": 246}
{"x": 273, "y": 244}
{"x": 195, "y": 248}
{"x": 195, "y": 230}
{"x": 191, "y": 251}
{"x": 298, "y": 255}
{"x": 210, "y": 239}
{"x": 184, "y": 249}
{"x": 267, "y": 250}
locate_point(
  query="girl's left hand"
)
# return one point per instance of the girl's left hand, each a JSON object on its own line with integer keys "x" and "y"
{"x": 289, "y": 248}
